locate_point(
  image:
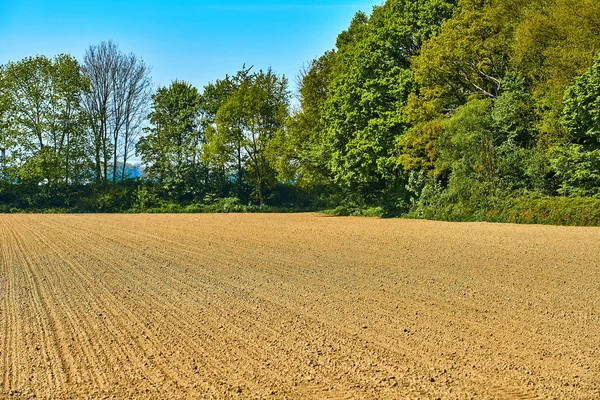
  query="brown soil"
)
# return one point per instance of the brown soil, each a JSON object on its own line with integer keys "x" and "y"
{"x": 296, "y": 306}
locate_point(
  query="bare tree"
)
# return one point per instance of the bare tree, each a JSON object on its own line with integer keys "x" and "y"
{"x": 116, "y": 104}
{"x": 98, "y": 64}
{"x": 135, "y": 106}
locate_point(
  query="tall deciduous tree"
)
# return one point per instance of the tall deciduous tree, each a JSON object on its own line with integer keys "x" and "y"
{"x": 223, "y": 149}
{"x": 247, "y": 123}
{"x": 578, "y": 162}
{"x": 68, "y": 129}
{"x": 172, "y": 148}
{"x": 116, "y": 104}
{"x": 364, "y": 112}
{"x": 468, "y": 59}
{"x": 42, "y": 120}
{"x": 301, "y": 151}
{"x": 466, "y": 147}
{"x": 555, "y": 41}
{"x": 134, "y": 88}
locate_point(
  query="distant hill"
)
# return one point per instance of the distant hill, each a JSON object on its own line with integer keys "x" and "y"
{"x": 131, "y": 171}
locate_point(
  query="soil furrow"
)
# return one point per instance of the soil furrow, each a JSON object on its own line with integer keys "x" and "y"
{"x": 120, "y": 331}
{"x": 475, "y": 326}
{"x": 8, "y": 313}
{"x": 296, "y": 306}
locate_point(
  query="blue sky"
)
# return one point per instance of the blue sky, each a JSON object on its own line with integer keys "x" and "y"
{"x": 195, "y": 41}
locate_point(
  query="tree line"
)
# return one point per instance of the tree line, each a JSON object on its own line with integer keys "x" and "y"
{"x": 448, "y": 109}
{"x": 66, "y": 125}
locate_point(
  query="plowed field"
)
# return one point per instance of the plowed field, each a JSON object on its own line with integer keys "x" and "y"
{"x": 296, "y": 306}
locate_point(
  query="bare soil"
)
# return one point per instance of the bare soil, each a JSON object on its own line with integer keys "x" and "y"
{"x": 296, "y": 306}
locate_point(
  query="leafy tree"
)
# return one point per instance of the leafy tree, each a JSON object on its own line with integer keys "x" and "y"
{"x": 28, "y": 87}
{"x": 43, "y": 120}
{"x": 223, "y": 149}
{"x": 248, "y": 122}
{"x": 301, "y": 154}
{"x": 514, "y": 113}
{"x": 520, "y": 160}
{"x": 172, "y": 148}
{"x": 481, "y": 48}
{"x": 466, "y": 153}
{"x": 468, "y": 59}
{"x": 578, "y": 169}
{"x": 486, "y": 150}
{"x": 470, "y": 56}
{"x": 68, "y": 130}
{"x": 581, "y": 113}
{"x": 555, "y": 41}
{"x": 578, "y": 163}
{"x": 363, "y": 114}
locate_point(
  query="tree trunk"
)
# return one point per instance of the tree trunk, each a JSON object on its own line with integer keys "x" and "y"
{"x": 67, "y": 160}
{"x": 125, "y": 150}
{"x": 116, "y": 141}
{"x": 239, "y": 180}
{"x": 105, "y": 154}
{"x": 123, "y": 168}
{"x": 260, "y": 191}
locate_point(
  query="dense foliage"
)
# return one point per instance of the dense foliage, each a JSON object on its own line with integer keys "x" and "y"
{"x": 446, "y": 109}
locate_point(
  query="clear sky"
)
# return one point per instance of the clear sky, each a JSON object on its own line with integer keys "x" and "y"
{"x": 195, "y": 41}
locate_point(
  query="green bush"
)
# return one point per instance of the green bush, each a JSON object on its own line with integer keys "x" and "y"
{"x": 522, "y": 208}
{"x": 339, "y": 211}
{"x": 579, "y": 211}
{"x": 345, "y": 211}
{"x": 227, "y": 205}
{"x": 143, "y": 199}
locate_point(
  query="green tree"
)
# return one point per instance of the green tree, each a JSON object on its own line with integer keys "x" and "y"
{"x": 577, "y": 163}
{"x": 466, "y": 153}
{"x": 363, "y": 114}
{"x": 68, "y": 129}
{"x": 172, "y": 148}
{"x": 555, "y": 41}
{"x": 300, "y": 152}
{"x": 581, "y": 113}
{"x": 249, "y": 120}
{"x": 520, "y": 160}
{"x": 470, "y": 56}
{"x": 43, "y": 119}
{"x": 28, "y": 86}
{"x": 468, "y": 59}
{"x": 223, "y": 150}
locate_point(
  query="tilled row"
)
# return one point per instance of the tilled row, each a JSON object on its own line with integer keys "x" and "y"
{"x": 295, "y": 306}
